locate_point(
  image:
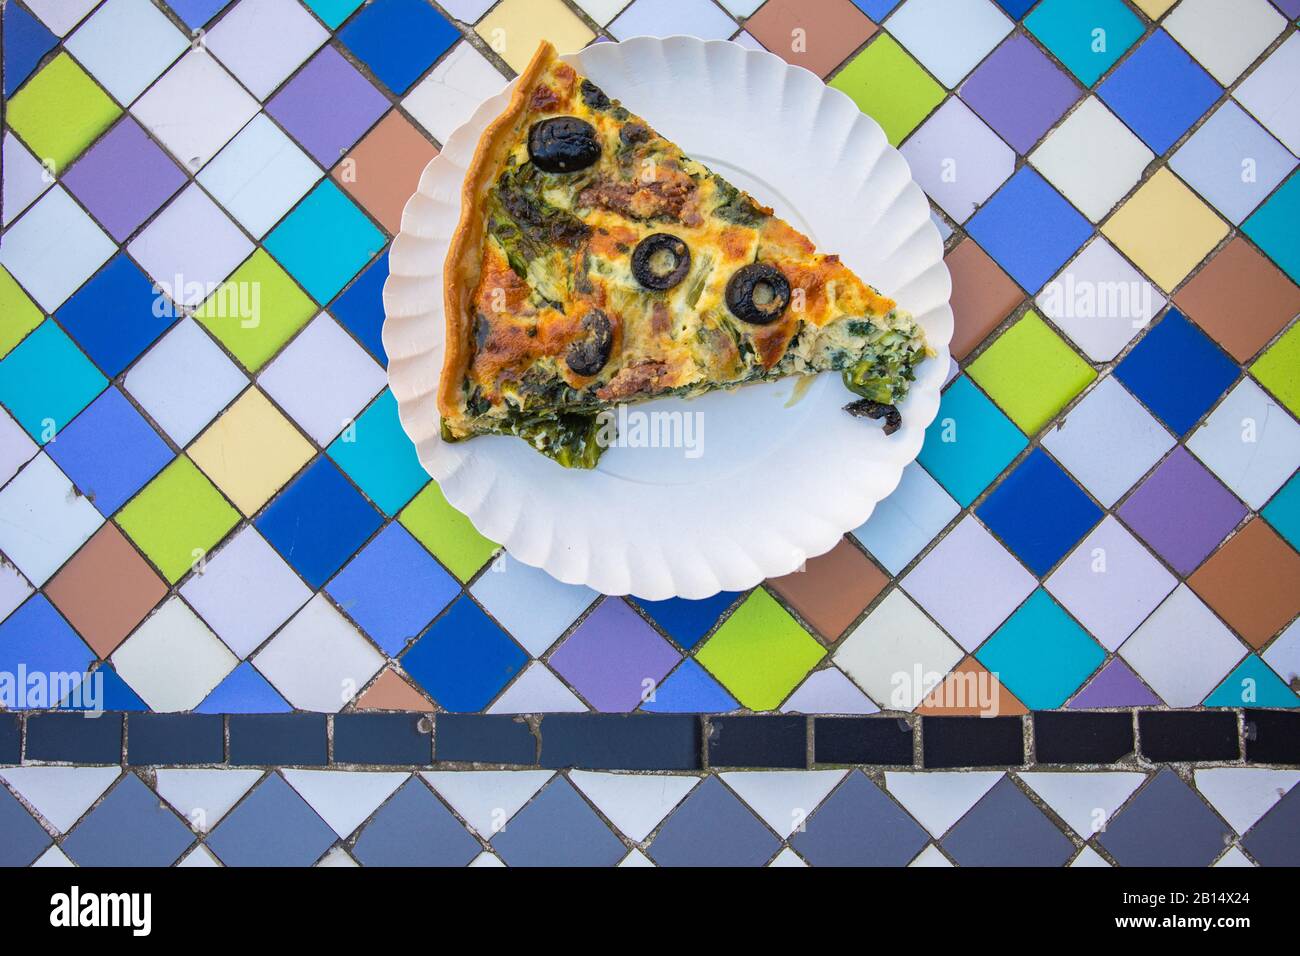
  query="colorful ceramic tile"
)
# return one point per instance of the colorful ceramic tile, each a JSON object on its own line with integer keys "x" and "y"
{"x": 1250, "y": 443}
{"x": 958, "y": 160}
{"x": 694, "y": 17}
{"x": 1249, "y": 582}
{"x": 376, "y": 454}
{"x": 1088, "y": 37}
{"x": 1225, "y": 38}
{"x": 1276, "y": 369}
{"x": 533, "y": 606}
{"x": 53, "y": 248}
{"x": 817, "y": 36}
{"x": 115, "y": 316}
{"x": 909, "y": 519}
{"x": 446, "y": 532}
{"x": 1019, "y": 92}
{"x": 383, "y": 170}
{"x": 125, "y": 45}
{"x": 60, "y": 111}
{"x": 327, "y": 106}
{"x": 124, "y": 178}
{"x": 26, "y": 42}
{"x": 263, "y": 41}
{"x": 1269, "y": 93}
{"x": 982, "y": 296}
{"x": 1040, "y": 653}
{"x": 831, "y": 590}
{"x": 890, "y": 87}
{"x": 398, "y": 40}
{"x": 452, "y": 90}
{"x": 464, "y": 659}
{"x": 324, "y": 241}
{"x": 971, "y": 29}
{"x": 1272, "y": 227}
{"x": 318, "y": 660}
{"x": 173, "y": 660}
{"x": 969, "y": 443}
{"x": 614, "y": 659}
{"x": 25, "y": 178}
{"x": 46, "y": 381}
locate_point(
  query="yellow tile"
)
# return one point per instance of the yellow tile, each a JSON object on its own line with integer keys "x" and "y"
{"x": 514, "y": 28}
{"x": 1165, "y": 229}
{"x": 1155, "y": 9}
{"x": 251, "y": 451}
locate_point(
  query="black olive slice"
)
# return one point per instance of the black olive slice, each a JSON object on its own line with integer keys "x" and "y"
{"x": 866, "y": 408}
{"x": 593, "y": 95}
{"x": 660, "y": 261}
{"x": 758, "y": 293}
{"x": 563, "y": 144}
{"x": 587, "y": 355}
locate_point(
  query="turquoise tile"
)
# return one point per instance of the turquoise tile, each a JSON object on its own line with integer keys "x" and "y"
{"x": 333, "y": 12}
{"x": 378, "y": 456}
{"x": 324, "y": 241}
{"x": 46, "y": 381}
{"x": 1088, "y": 36}
{"x": 969, "y": 442}
{"x": 1275, "y": 227}
{"x": 1041, "y": 654}
{"x": 1283, "y": 512}
{"x": 1253, "y": 684}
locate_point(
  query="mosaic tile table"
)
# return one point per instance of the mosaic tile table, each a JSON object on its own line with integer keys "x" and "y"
{"x": 222, "y": 521}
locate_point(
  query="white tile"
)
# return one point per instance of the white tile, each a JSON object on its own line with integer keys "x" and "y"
{"x": 741, "y": 8}
{"x": 24, "y": 180}
{"x": 487, "y": 799}
{"x": 1085, "y": 800}
{"x": 1182, "y": 650}
{"x": 1225, "y": 36}
{"x": 259, "y": 175}
{"x": 60, "y": 794}
{"x": 786, "y": 858}
{"x": 1272, "y": 93}
{"x": 634, "y": 859}
{"x": 246, "y": 591}
{"x": 697, "y": 18}
{"x": 184, "y": 380}
{"x": 199, "y": 858}
{"x": 785, "y": 799}
{"x": 190, "y": 247}
{"x": 204, "y": 796}
{"x": 1283, "y": 655}
{"x": 1234, "y": 857}
{"x": 894, "y": 644}
{"x": 537, "y": 691}
{"x": 635, "y": 804}
{"x": 1092, "y": 158}
{"x": 1100, "y": 301}
{"x": 125, "y": 45}
{"x": 322, "y": 404}
{"x": 195, "y": 109}
{"x": 1108, "y": 441}
{"x": 534, "y": 607}
{"x": 938, "y": 800}
{"x": 602, "y": 11}
{"x": 16, "y": 447}
{"x": 930, "y": 857}
{"x": 452, "y": 91}
{"x": 53, "y": 857}
{"x": 909, "y": 519}
{"x": 61, "y": 15}
{"x": 828, "y": 691}
{"x": 172, "y": 660}
{"x": 53, "y": 248}
{"x": 263, "y": 41}
{"x": 1244, "y": 794}
{"x": 319, "y": 660}
{"x": 14, "y": 589}
{"x": 949, "y": 37}
{"x": 1250, "y": 441}
{"x": 43, "y": 520}
{"x": 468, "y": 11}
{"x": 337, "y": 857}
{"x": 958, "y": 160}
{"x": 1088, "y": 857}
{"x": 344, "y": 798}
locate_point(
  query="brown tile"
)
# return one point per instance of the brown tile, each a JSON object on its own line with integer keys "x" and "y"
{"x": 106, "y": 589}
{"x": 1240, "y": 298}
{"x": 982, "y": 296}
{"x": 390, "y": 692}
{"x": 383, "y": 169}
{"x": 1253, "y": 581}
{"x": 832, "y": 589}
{"x": 818, "y": 35}
{"x": 967, "y": 691}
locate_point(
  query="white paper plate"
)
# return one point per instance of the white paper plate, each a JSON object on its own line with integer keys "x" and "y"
{"x": 774, "y": 483}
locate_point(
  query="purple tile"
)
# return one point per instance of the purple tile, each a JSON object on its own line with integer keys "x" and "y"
{"x": 1019, "y": 92}
{"x": 1166, "y": 824}
{"x": 614, "y": 657}
{"x": 1115, "y": 686}
{"x": 327, "y": 106}
{"x": 859, "y": 825}
{"x": 124, "y": 178}
{"x": 1182, "y": 511}
{"x": 1290, "y": 7}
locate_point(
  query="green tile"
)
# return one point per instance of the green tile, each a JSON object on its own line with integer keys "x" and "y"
{"x": 61, "y": 111}
{"x": 18, "y": 314}
{"x": 1278, "y": 369}
{"x": 255, "y": 311}
{"x": 889, "y": 86}
{"x": 446, "y": 532}
{"x": 760, "y": 653}
{"x": 1031, "y": 373}
{"x": 177, "y": 513}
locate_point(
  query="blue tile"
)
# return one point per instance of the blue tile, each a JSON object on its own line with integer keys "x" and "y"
{"x": 75, "y": 738}
{"x": 690, "y": 689}
{"x": 1039, "y": 512}
{"x": 318, "y": 522}
{"x": 11, "y": 738}
{"x": 377, "y": 455}
{"x": 174, "y": 739}
{"x": 1275, "y": 839}
{"x": 24, "y": 838}
{"x": 713, "y": 828}
{"x": 1005, "y": 829}
{"x": 618, "y": 742}
{"x": 109, "y": 692}
{"x": 858, "y": 825}
{"x": 324, "y": 241}
{"x": 37, "y": 639}
{"x": 1275, "y": 227}
{"x": 109, "y": 451}
{"x": 558, "y": 828}
{"x": 969, "y": 443}
{"x": 765, "y": 740}
{"x": 399, "y": 40}
{"x": 1283, "y": 512}
{"x": 1253, "y": 683}
{"x": 1177, "y": 372}
{"x": 688, "y": 621}
{"x": 393, "y": 739}
{"x": 414, "y": 829}
{"x": 244, "y": 691}
{"x": 1016, "y": 9}
{"x": 46, "y": 381}
{"x": 295, "y": 740}
{"x": 1029, "y": 229}
{"x": 393, "y": 588}
{"x": 1165, "y": 824}
{"x": 27, "y": 40}
{"x": 1071, "y": 29}
{"x": 464, "y": 659}
{"x": 876, "y": 9}
{"x": 361, "y": 308}
{"x": 1159, "y": 91}
{"x": 112, "y": 316}
{"x": 484, "y": 738}
{"x": 129, "y": 827}
{"x": 196, "y": 13}
{"x": 272, "y": 826}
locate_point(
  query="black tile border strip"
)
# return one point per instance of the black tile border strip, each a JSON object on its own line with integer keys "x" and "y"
{"x": 1116, "y": 739}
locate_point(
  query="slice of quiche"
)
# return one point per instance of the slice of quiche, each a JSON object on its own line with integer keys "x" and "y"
{"x": 595, "y": 264}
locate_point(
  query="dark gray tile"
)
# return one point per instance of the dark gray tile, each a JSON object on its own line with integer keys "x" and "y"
{"x": 414, "y": 829}
{"x": 1165, "y": 824}
{"x": 713, "y": 827}
{"x": 1275, "y": 839}
{"x": 272, "y": 826}
{"x": 22, "y": 839}
{"x": 558, "y": 828}
{"x": 858, "y": 825}
{"x": 1006, "y": 829}
{"x": 130, "y": 827}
